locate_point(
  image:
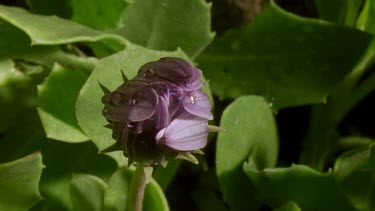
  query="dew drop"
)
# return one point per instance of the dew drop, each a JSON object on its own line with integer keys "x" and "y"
{"x": 193, "y": 99}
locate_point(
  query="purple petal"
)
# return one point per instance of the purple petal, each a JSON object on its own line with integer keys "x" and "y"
{"x": 197, "y": 103}
{"x": 134, "y": 102}
{"x": 185, "y": 133}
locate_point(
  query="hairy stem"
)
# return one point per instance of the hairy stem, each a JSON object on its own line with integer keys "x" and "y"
{"x": 137, "y": 189}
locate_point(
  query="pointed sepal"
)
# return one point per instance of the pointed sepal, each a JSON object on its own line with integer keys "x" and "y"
{"x": 114, "y": 147}
{"x": 104, "y": 89}
{"x": 187, "y": 156}
{"x": 124, "y": 78}
{"x": 214, "y": 129}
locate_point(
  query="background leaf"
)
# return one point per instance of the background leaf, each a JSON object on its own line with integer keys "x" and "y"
{"x": 289, "y": 206}
{"x": 62, "y": 160}
{"x": 17, "y": 94}
{"x": 168, "y": 24}
{"x": 339, "y": 11}
{"x": 87, "y": 192}
{"x": 366, "y": 20}
{"x": 19, "y": 183}
{"x": 258, "y": 143}
{"x": 108, "y": 72}
{"x": 285, "y": 58}
{"x": 99, "y": 14}
{"x": 310, "y": 189}
{"x": 57, "y": 96}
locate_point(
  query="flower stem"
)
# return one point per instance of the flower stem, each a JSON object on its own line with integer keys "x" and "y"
{"x": 137, "y": 189}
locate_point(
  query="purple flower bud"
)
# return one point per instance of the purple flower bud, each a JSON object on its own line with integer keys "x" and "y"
{"x": 159, "y": 113}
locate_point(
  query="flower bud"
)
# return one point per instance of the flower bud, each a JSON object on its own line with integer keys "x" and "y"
{"x": 160, "y": 114}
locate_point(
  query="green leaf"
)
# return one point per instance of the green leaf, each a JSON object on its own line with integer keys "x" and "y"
{"x": 87, "y": 192}
{"x": 108, "y": 72}
{"x": 168, "y": 24}
{"x": 355, "y": 170}
{"x": 339, "y": 11}
{"x": 19, "y": 181}
{"x": 288, "y": 59}
{"x": 366, "y": 20}
{"x": 310, "y": 189}
{"x": 289, "y": 206}
{"x": 62, "y": 161}
{"x": 117, "y": 195}
{"x": 57, "y": 96}
{"x": 39, "y": 29}
{"x": 257, "y": 143}
{"x": 99, "y": 14}
{"x": 17, "y": 94}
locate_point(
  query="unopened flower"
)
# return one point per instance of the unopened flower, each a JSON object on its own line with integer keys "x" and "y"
{"x": 160, "y": 114}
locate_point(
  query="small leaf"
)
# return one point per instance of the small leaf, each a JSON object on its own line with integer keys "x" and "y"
{"x": 19, "y": 182}
{"x": 355, "y": 170}
{"x": 87, "y": 192}
{"x": 250, "y": 133}
{"x": 57, "y": 96}
{"x": 107, "y": 72}
{"x": 117, "y": 195}
{"x": 168, "y": 24}
{"x": 310, "y": 189}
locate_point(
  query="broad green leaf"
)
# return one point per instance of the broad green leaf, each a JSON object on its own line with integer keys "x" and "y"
{"x": 355, "y": 170}
{"x": 15, "y": 44}
{"x": 19, "y": 181}
{"x": 62, "y": 160}
{"x": 57, "y": 96}
{"x": 108, "y": 72}
{"x": 366, "y": 20}
{"x": 117, "y": 195}
{"x": 310, "y": 189}
{"x": 250, "y": 134}
{"x": 288, "y": 59}
{"x": 339, "y": 11}
{"x": 169, "y": 24}
{"x": 87, "y": 192}
{"x": 17, "y": 94}
{"x": 39, "y": 29}
{"x": 289, "y": 206}
{"x": 99, "y": 14}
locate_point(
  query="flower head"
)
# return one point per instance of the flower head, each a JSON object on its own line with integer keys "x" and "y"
{"x": 160, "y": 113}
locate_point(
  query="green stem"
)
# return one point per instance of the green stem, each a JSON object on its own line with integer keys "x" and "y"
{"x": 137, "y": 189}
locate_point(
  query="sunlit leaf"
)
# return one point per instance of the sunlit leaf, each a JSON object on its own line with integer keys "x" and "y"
{"x": 19, "y": 179}
{"x": 168, "y": 24}
{"x": 57, "y": 96}
{"x": 250, "y": 135}
{"x": 87, "y": 192}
